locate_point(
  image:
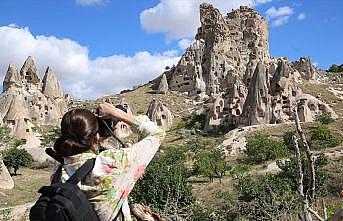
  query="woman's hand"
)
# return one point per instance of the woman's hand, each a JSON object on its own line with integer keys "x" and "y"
{"x": 108, "y": 111}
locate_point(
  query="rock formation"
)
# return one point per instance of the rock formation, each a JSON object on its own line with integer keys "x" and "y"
{"x": 6, "y": 181}
{"x": 306, "y": 68}
{"x": 124, "y": 130}
{"x": 26, "y": 100}
{"x": 229, "y": 64}
{"x": 163, "y": 86}
{"x": 51, "y": 85}
{"x": 160, "y": 114}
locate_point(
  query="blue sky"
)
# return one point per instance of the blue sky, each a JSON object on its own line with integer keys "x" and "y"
{"x": 116, "y": 39}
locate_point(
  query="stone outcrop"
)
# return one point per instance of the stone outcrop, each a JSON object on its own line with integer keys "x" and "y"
{"x": 160, "y": 114}
{"x": 26, "y": 100}
{"x": 124, "y": 130}
{"x": 306, "y": 68}
{"x": 229, "y": 65}
{"x": 6, "y": 181}
{"x": 163, "y": 86}
{"x": 51, "y": 85}
{"x": 256, "y": 106}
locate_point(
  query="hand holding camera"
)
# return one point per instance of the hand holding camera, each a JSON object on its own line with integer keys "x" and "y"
{"x": 116, "y": 113}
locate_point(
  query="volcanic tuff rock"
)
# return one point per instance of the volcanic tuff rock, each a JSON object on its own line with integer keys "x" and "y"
{"x": 163, "y": 87}
{"x": 229, "y": 64}
{"x": 160, "y": 114}
{"x": 26, "y": 100}
{"x": 6, "y": 181}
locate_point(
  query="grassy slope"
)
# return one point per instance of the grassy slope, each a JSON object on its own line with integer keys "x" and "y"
{"x": 181, "y": 107}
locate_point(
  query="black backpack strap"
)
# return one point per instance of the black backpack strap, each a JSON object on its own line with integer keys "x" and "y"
{"x": 82, "y": 172}
{"x": 54, "y": 155}
{"x": 56, "y": 177}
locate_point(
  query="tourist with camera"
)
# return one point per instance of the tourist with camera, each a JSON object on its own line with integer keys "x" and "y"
{"x": 115, "y": 171}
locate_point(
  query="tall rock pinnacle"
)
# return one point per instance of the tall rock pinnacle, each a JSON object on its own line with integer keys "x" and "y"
{"x": 12, "y": 77}
{"x": 51, "y": 85}
{"x": 29, "y": 71}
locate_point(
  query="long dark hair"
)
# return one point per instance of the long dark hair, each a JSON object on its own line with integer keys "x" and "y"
{"x": 78, "y": 129}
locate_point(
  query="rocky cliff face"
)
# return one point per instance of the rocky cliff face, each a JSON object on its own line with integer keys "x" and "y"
{"x": 26, "y": 100}
{"x": 229, "y": 64}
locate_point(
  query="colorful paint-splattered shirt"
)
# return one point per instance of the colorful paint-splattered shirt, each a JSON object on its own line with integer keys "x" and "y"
{"x": 116, "y": 170}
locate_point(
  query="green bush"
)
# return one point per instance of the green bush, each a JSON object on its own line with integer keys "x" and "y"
{"x": 288, "y": 170}
{"x": 325, "y": 118}
{"x": 210, "y": 164}
{"x": 16, "y": 158}
{"x": 195, "y": 121}
{"x": 261, "y": 148}
{"x": 164, "y": 186}
{"x": 322, "y": 137}
{"x": 287, "y": 138}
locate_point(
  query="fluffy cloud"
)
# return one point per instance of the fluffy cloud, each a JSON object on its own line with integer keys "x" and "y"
{"x": 90, "y": 2}
{"x": 180, "y": 19}
{"x": 301, "y": 16}
{"x": 80, "y": 76}
{"x": 279, "y": 16}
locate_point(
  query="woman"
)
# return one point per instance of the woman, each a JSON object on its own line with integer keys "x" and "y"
{"x": 116, "y": 170}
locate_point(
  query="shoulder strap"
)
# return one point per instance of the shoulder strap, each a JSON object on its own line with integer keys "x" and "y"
{"x": 54, "y": 155}
{"x": 82, "y": 171}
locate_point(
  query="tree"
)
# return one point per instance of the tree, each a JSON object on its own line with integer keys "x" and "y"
{"x": 211, "y": 164}
{"x": 305, "y": 196}
{"x": 261, "y": 147}
{"x": 325, "y": 118}
{"x": 322, "y": 137}
{"x": 16, "y": 158}
{"x": 164, "y": 186}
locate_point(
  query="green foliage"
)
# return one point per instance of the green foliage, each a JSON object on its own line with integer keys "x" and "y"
{"x": 261, "y": 147}
{"x": 164, "y": 186}
{"x": 325, "y": 118}
{"x": 336, "y": 68}
{"x": 287, "y": 138}
{"x": 195, "y": 121}
{"x": 16, "y": 158}
{"x": 288, "y": 170}
{"x": 322, "y": 137}
{"x": 266, "y": 197}
{"x": 211, "y": 164}
{"x": 49, "y": 138}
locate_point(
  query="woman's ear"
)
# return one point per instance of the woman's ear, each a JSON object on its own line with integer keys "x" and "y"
{"x": 96, "y": 140}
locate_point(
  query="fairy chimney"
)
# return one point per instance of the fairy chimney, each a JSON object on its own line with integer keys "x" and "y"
{"x": 51, "y": 85}
{"x": 160, "y": 114}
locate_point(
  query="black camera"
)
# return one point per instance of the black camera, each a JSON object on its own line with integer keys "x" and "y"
{"x": 106, "y": 126}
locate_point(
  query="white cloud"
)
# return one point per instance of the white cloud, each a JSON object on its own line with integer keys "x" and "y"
{"x": 301, "y": 16}
{"x": 279, "y": 16}
{"x": 185, "y": 43}
{"x": 80, "y": 75}
{"x": 180, "y": 18}
{"x": 90, "y": 2}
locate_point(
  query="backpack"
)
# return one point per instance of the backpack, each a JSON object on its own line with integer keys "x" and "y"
{"x": 64, "y": 201}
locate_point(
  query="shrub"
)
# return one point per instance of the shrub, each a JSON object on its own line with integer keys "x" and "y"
{"x": 164, "y": 186}
{"x": 288, "y": 170}
{"x": 195, "y": 121}
{"x": 211, "y": 164}
{"x": 325, "y": 118}
{"x": 322, "y": 137}
{"x": 16, "y": 158}
{"x": 261, "y": 147}
{"x": 287, "y": 138}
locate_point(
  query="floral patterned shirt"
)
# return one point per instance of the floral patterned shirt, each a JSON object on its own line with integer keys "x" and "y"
{"x": 116, "y": 170}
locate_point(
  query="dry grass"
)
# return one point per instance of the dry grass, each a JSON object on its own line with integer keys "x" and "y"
{"x": 26, "y": 186}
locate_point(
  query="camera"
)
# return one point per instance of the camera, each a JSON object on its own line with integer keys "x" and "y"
{"x": 108, "y": 124}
